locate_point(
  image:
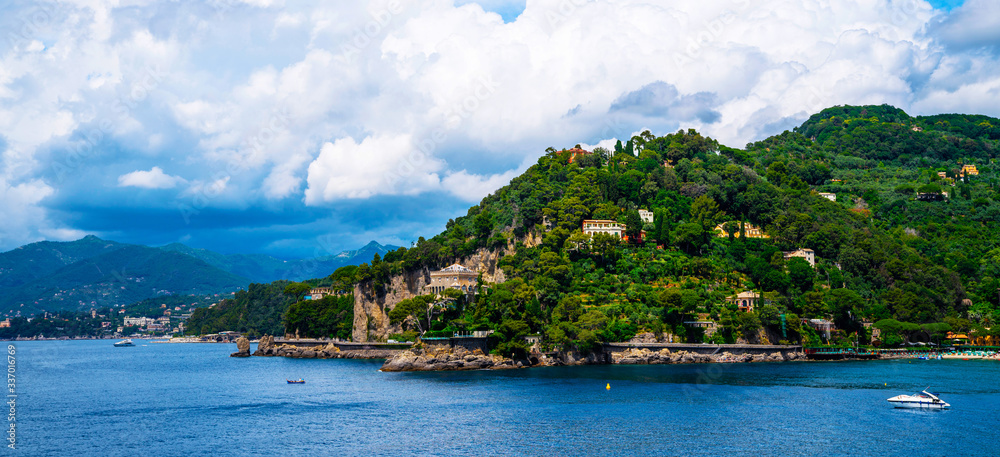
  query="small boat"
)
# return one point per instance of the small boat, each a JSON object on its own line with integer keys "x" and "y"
{"x": 124, "y": 343}
{"x": 300, "y": 381}
{"x": 923, "y": 399}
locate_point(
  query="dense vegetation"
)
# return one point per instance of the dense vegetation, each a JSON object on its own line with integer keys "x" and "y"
{"x": 902, "y": 247}
{"x": 281, "y": 307}
{"x": 331, "y": 316}
{"x": 884, "y": 253}
{"x": 255, "y": 311}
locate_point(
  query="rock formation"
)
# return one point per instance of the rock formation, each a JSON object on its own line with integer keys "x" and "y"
{"x": 242, "y": 347}
{"x": 643, "y": 356}
{"x": 371, "y": 310}
{"x": 264, "y": 345}
{"x": 268, "y": 348}
{"x": 447, "y": 359}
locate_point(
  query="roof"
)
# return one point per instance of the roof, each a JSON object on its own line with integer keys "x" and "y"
{"x": 456, "y": 268}
{"x": 747, "y": 294}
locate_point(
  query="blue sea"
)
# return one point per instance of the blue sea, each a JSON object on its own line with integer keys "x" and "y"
{"x": 88, "y": 398}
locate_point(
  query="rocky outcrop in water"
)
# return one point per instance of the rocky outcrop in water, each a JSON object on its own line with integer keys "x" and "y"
{"x": 242, "y": 347}
{"x": 266, "y": 343}
{"x": 647, "y": 357}
{"x": 447, "y": 359}
{"x": 267, "y": 348}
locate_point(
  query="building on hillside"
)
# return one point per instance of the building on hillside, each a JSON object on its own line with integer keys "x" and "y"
{"x": 752, "y": 231}
{"x": 806, "y": 254}
{"x": 317, "y": 293}
{"x": 829, "y": 196}
{"x": 969, "y": 170}
{"x": 821, "y": 325}
{"x": 646, "y": 216}
{"x": 710, "y": 326}
{"x": 453, "y": 277}
{"x": 138, "y": 321}
{"x": 642, "y": 236}
{"x": 917, "y": 128}
{"x": 576, "y": 153}
{"x": 5, "y": 323}
{"x": 592, "y": 226}
{"x": 746, "y": 300}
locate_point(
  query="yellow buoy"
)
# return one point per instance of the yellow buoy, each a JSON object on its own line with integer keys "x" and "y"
{"x": 609, "y": 386}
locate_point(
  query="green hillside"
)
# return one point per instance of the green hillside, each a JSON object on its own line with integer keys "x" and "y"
{"x": 36, "y": 260}
{"x": 911, "y": 243}
{"x": 891, "y": 248}
{"x": 124, "y": 275}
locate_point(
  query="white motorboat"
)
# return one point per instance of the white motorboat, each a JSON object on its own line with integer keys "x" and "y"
{"x": 124, "y": 343}
{"x": 923, "y": 399}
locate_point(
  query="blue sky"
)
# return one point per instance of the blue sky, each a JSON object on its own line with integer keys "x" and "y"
{"x": 304, "y": 128}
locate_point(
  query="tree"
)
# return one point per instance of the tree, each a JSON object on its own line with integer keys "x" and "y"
{"x": 688, "y": 237}
{"x": 893, "y": 332}
{"x": 800, "y": 273}
{"x": 482, "y": 227}
{"x": 297, "y": 290}
{"x": 633, "y": 227}
{"x": 705, "y": 212}
{"x": 731, "y": 228}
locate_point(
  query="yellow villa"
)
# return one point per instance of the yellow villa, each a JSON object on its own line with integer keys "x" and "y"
{"x": 752, "y": 231}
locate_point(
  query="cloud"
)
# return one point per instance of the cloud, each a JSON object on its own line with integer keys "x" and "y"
{"x": 974, "y": 25}
{"x": 659, "y": 99}
{"x": 334, "y": 104}
{"x": 155, "y": 178}
{"x": 386, "y": 165}
{"x": 472, "y": 187}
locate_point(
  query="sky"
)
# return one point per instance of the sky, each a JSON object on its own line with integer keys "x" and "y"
{"x": 301, "y": 129}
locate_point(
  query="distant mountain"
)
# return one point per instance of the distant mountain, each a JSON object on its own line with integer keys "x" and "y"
{"x": 124, "y": 275}
{"x": 256, "y": 267}
{"x": 264, "y": 269}
{"x": 91, "y": 272}
{"x": 36, "y": 260}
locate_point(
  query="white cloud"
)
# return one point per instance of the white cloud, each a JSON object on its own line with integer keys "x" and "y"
{"x": 390, "y": 165}
{"x": 155, "y": 178}
{"x": 472, "y": 188}
{"x": 975, "y": 24}
{"x": 21, "y": 214}
{"x": 322, "y": 101}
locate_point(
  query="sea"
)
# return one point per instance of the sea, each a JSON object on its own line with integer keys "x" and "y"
{"x": 88, "y": 398}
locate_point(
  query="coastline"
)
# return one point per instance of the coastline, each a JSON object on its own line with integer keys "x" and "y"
{"x": 460, "y": 358}
{"x": 444, "y": 357}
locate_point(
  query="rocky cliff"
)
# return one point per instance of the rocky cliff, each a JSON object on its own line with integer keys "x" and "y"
{"x": 371, "y": 310}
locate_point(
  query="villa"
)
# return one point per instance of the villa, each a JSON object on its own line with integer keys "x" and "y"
{"x": 453, "y": 277}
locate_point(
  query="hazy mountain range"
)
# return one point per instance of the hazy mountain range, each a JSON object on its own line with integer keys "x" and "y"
{"x": 92, "y": 273}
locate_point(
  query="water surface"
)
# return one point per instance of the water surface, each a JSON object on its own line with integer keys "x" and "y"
{"x": 90, "y": 398}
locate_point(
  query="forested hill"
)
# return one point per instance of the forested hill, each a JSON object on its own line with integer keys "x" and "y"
{"x": 905, "y": 236}
{"x": 910, "y": 239}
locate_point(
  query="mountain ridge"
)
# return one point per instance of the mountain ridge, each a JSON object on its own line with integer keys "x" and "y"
{"x": 45, "y": 274}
